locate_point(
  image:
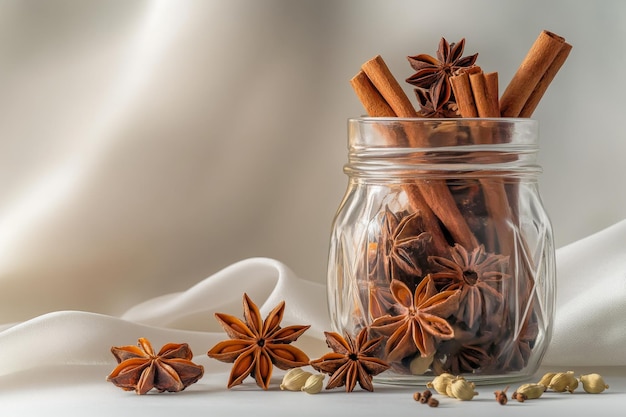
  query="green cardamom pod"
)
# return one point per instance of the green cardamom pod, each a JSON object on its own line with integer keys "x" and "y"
{"x": 294, "y": 379}
{"x": 313, "y": 384}
{"x": 593, "y": 383}
{"x": 563, "y": 381}
{"x": 461, "y": 389}
{"x": 441, "y": 382}
{"x": 529, "y": 392}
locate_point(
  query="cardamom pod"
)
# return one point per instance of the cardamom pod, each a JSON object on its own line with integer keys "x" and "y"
{"x": 529, "y": 392}
{"x": 546, "y": 378}
{"x": 563, "y": 381}
{"x": 461, "y": 389}
{"x": 441, "y": 382}
{"x": 313, "y": 384}
{"x": 593, "y": 383}
{"x": 294, "y": 379}
{"x": 420, "y": 364}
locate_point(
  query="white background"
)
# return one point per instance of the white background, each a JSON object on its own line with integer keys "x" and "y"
{"x": 144, "y": 145}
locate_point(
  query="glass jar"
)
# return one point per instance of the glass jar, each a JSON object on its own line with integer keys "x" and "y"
{"x": 442, "y": 248}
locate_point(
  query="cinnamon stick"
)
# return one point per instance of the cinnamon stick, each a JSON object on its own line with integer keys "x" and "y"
{"x": 479, "y": 94}
{"x": 536, "y": 63}
{"x": 545, "y": 81}
{"x": 369, "y": 96}
{"x": 485, "y": 91}
{"x": 463, "y": 93}
{"x": 379, "y": 74}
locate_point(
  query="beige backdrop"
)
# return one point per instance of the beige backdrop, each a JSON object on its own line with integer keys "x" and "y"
{"x": 144, "y": 145}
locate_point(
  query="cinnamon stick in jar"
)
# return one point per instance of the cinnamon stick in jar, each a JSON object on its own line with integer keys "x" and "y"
{"x": 545, "y": 81}
{"x": 477, "y": 95}
{"x": 379, "y": 74}
{"x": 371, "y": 99}
{"x": 536, "y": 63}
{"x": 485, "y": 89}
{"x": 464, "y": 96}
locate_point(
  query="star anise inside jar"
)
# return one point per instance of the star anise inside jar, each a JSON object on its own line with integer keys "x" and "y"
{"x": 420, "y": 322}
{"x": 479, "y": 276}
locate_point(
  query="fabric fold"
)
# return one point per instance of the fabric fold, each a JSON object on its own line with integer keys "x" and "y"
{"x": 84, "y": 338}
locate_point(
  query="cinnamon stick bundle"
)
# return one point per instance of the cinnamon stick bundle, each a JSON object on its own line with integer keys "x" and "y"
{"x": 476, "y": 95}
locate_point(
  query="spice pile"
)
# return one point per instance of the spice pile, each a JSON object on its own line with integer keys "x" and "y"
{"x": 437, "y": 285}
{"x": 256, "y": 345}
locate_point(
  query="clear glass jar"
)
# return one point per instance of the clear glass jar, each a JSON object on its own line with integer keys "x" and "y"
{"x": 441, "y": 247}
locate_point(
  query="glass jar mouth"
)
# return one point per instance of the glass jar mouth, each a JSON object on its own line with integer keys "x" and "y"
{"x": 398, "y": 132}
{"x": 409, "y": 147}
{"x": 442, "y": 119}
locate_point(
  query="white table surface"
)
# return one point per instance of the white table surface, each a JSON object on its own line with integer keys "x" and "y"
{"x": 83, "y": 391}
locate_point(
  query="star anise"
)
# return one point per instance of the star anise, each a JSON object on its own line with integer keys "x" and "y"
{"x": 380, "y": 299}
{"x": 448, "y": 62}
{"x": 478, "y": 275}
{"x": 402, "y": 245}
{"x": 351, "y": 361}
{"x": 467, "y": 352}
{"x": 139, "y": 369}
{"x": 432, "y": 79}
{"x": 420, "y": 319}
{"x": 514, "y": 357}
{"x": 435, "y": 102}
{"x": 257, "y": 345}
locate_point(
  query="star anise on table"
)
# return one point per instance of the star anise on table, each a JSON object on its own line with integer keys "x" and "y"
{"x": 139, "y": 369}
{"x": 421, "y": 319}
{"x": 478, "y": 276}
{"x": 352, "y": 361}
{"x": 256, "y": 345}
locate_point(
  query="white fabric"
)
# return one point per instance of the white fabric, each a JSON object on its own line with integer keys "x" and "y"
{"x": 591, "y": 301}
{"x": 75, "y": 337}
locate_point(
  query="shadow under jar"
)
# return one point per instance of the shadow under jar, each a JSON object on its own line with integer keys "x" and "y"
{"x": 442, "y": 247}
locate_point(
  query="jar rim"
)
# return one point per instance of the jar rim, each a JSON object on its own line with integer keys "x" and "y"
{"x": 433, "y": 120}
{"x": 406, "y": 147}
{"x": 429, "y": 133}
